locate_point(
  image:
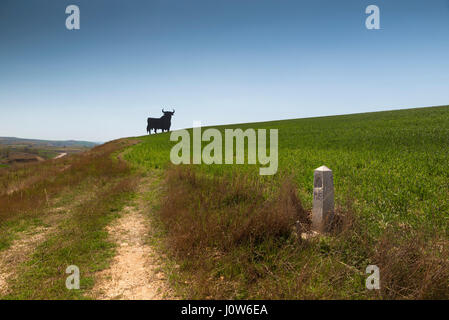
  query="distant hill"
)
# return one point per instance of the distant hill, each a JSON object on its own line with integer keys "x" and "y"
{"x": 9, "y": 141}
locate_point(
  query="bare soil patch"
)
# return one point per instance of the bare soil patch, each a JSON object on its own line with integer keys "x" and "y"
{"x": 135, "y": 272}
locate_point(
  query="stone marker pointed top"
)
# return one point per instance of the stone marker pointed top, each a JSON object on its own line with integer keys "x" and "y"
{"x": 323, "y": 168}
{"x": 323, "y": 199}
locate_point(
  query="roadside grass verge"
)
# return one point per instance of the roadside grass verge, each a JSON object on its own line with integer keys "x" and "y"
{"x": 28, "y": 191}
{"x": 10, "y": 229}
{"x": 232, "y": 241}
{"x": 80, "y": 239}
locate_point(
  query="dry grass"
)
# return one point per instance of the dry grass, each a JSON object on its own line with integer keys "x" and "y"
{"x": 414, "y": 266}
{"x": 233, "y": 239}
{"x": 80, "y": 238}
{"x": 27, "y": 189}
{"x": 222, "y": 230}
{"x": 203, "y": 212}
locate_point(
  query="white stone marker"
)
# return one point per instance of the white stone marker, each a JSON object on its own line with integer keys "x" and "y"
{"x": 323, "y": 199}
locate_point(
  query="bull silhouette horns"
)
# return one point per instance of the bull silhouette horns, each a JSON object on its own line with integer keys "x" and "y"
{"x": 168, "y": 111}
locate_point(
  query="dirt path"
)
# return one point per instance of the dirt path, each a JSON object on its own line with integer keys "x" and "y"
{"x": 60, "y": 155}
{"x": 18, "y": 253}
{"x": 135, "y": 272}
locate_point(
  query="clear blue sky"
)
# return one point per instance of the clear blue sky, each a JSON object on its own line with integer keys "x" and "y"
{"x": 219, "y": 62}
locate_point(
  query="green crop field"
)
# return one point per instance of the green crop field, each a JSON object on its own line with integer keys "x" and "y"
{"x": 391, "y": 179}
{"x": 394, "y": 164}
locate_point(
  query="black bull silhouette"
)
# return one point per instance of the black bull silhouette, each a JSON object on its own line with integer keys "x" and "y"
{"x": 162, "y": 123}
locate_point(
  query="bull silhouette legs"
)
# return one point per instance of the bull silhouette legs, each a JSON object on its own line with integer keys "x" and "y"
{"x": 155, "y": 130}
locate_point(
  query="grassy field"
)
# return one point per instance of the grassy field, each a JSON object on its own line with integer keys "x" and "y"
{"x": 228, "y": 233}
{"x": 392, "y": 189}
{"x": 58, "y": 210}
{"x": 392, "y": 164}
